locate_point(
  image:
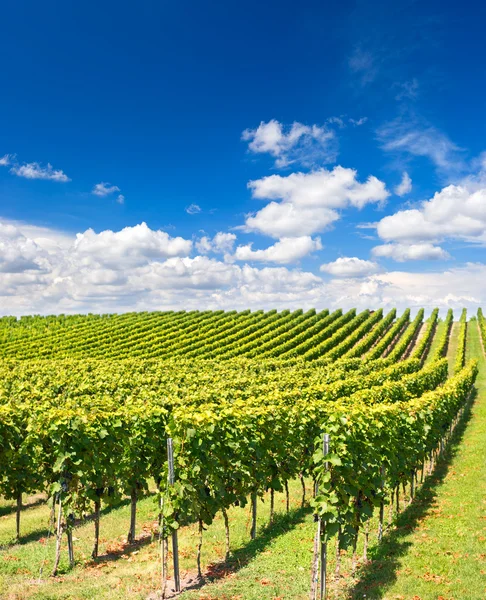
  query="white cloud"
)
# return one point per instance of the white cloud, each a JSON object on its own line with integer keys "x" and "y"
{"x": 204, "y": 245}
{"x": 104, "y": 189}
{"x": 17, "y": 253}
{"x": 46, "y": 271}
{"x": 120, "y": 199}
{"x": 224, "y": 242}
{"x": 193, "y": 209}
{"x": 407, "y": 89}
{"x": 298, "y": 143}
{"x": 342, "y": 121}
{"x": 454, "y": 212}
{"x": 286, "y": 220}
{"x": 358, "y": 122}
{"x": 132, "y": 246}
{"x": 133, "y": 269}
{"x": 421, "y": 139}
{"x": 34, "y": 170}
{"x": 404, "y": 252}
{"x": 309, "y": 202}
{"x": 285, "y": 251}
{"x": 405, "y": 186}
{"x": 363, "y": 64}
{"x": 6, "y": 160}
{"x": 221, "y": 243}
{"x": 350, "y": 267}
{"x": 45, "y": 237}
{"x": 339, "y": 121}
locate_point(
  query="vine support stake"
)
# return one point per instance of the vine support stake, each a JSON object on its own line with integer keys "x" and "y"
{"x": 253, "y": 515}
{"x": 382, "y": 505}
{"x": 323, "y": 570}
{"x": 58, "y": 538}
{"x": 175, "y": 541}
{"x": 17, "y": 520}
{"x": 69, "y": 533}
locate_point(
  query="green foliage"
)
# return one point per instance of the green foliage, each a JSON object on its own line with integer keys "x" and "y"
{"x": 461, "y": 342}
{"x": 426, "y": 339}
{"x": 443, "y": 342}
{"x": 96, "y": 428}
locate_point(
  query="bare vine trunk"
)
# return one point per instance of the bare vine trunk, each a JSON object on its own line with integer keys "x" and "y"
{"x": 287, "y": 496}
{"x": 253, "y": 515}
{"x": 17, "y": 520}
{"x": 133, "y": 516}
{"x": 380, "y": 522}
{"x": 315, "y": 563}
{"x": 70, "y": 546}
{"x": 337, "y": 570}
{"x": 97, "y": 507}
{"x": 354, "y": 562}
{"x": 366, "y": 540}
{"x": 302, "y": 482}
{"x": 199, "y": 548}
{"x": 227, "y": 533}
{"x": 58, "y": 541}
{"x": 164, "y": 548}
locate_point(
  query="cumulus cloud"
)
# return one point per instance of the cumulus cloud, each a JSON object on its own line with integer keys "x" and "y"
{"x": 133, "y": 269}
{"x": 347, "y": 266}
{"x": 132, "y": 246}
{"x": 193, "y": 209}
{"x": 404, "y": 252}
{"x": 203, "y": 245}
{"x": 309, "y": 202}
{"x": 296, "y": 143}
{"x": 220, "y": 243}
{"x": 405, "y": 185}
{"x": 285, "y": 251}
{"x": 46, "y": 271}
{"x": 120, "y": 199}
{"x": 454, "y": 212}
{"x": 17, "y": 253}
{"x": 104, "y": 189}
{"x": 34, "y": 170}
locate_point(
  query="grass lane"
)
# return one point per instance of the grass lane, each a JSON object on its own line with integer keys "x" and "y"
{"x": 439, "y": 330}
{"x": 452, "y": 349}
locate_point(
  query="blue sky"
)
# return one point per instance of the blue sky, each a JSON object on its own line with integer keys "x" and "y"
{"x": 173, "y": 109}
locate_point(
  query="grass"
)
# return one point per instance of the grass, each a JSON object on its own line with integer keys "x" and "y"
{"x": 439, "y": 330}
{"x": 437, "y": 548}
{"x": 133, "y": 571}
{"x": 453, "y": 342}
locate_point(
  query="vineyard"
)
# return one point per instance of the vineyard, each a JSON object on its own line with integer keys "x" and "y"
{"x": 89, "y": 403}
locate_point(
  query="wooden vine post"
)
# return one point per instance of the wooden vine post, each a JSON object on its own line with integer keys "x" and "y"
{"x": 253, "y": 515}
{"x": 69, "y": 533}
{"x": 58, "y": 538}
{"x": 175, "y": 542}
{"x": 323, "y": 573}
